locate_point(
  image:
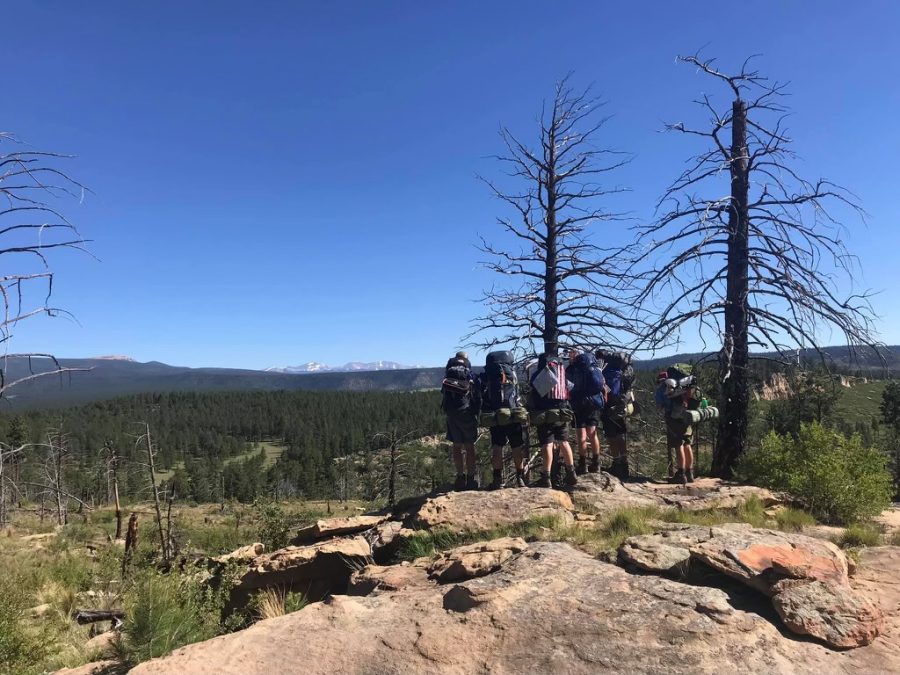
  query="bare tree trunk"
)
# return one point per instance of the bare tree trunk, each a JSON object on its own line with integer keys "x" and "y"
{"x": 118, "y": 509}
{"x": 735, "y": 358}
{"x": 131, "y": 542}
{"x": 392, "y": 476}
{"x": 61, "y": 515}
{"x": 159, "y": 519}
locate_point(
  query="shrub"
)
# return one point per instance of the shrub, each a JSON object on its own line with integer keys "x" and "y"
{"x": 20, "y": 648}
{"x": 273, "y": 525}
{"x": 275, "y": 602}
{"x": 858, "y": 535}
{"x": 793, "y": 520}
{"x": 837, "y": 478}
{"x": 164, "y": 612}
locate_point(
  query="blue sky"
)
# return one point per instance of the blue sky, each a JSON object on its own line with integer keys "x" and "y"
{"x": 278, "y": 182}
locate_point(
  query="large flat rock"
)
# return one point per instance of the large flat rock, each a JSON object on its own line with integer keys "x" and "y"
{"x": 480, "y": 511}
{"x": 315, "y": 570}
{"x": 337, "y": 527}
{"x": 603, "y": 493}
{"x": 807, "y": 578}
{"x": 550, "y": 609}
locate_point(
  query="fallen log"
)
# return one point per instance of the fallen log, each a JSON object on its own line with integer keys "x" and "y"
{"x": 85, "y": 616}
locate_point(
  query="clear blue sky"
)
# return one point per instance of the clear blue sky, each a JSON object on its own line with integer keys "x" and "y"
{"x": 278, "y": 182}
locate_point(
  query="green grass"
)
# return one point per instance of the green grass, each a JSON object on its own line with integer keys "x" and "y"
{"x": 859, "y": 535}
{"x": 790, "y": 519}
{"x": 860, "y": 402}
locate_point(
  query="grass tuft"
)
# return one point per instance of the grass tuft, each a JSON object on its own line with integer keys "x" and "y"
{"x": 859, "y": 535}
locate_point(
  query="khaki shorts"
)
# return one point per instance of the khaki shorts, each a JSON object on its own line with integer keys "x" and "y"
{"x": 678, "y": 432}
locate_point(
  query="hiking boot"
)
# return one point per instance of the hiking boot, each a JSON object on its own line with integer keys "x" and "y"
{"x": 520, "y": 479}
{"x": 689, "y": 476}
{"x": 570, "y": 478}
{"x": 678, "y": 478}
{"x": 471, "y": 483}
{"x": 543, "y": 481}
{"x": 624, "y": 473}
{"x": 581, "y": 467}
{"x": 594, "y": 465}
{"x": 615, "y": 468}
{"x": 460, "y": 482}
{"x": 497, "y": 482}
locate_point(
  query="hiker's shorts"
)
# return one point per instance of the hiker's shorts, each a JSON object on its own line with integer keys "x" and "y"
{"x": 678, "y": 432}
{"x": 588, "y": 416}
{"x": 613, "y": 425}
{"x": 462, "y": 428}
{"x": 548, "y": 433}
{"x": 508, "y": 433}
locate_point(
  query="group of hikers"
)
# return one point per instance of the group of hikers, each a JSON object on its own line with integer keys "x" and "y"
{"x": 590, "y": 390}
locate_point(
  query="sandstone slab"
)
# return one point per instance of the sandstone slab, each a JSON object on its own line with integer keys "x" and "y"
{"x": 551, "y": 609}
{"x": 475, "y": 560}
{"x": 314, "y": 570}
{"x": 243, "y": 554}
{"x": 479, "y": 511}
{"x": 807, "y": 578}
{"x": 374, "y": 578}
{"x": 337, "y": 527}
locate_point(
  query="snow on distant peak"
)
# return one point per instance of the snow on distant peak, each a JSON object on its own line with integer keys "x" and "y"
{"x": 352, "y": 367}
{"x": 113, "y": 357}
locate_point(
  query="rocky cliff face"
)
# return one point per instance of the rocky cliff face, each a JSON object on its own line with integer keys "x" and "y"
{"x": 683, "y": 599}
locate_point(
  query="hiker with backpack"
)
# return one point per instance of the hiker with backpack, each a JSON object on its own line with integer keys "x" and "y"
{"x": 503, "y": 413}
{"x": 619, "y": 377}
{"x": 550, "y": 412}
{"x": 588, "y": 398}
{"x": 676, "y": 393}
{"x": 460, "y": 401}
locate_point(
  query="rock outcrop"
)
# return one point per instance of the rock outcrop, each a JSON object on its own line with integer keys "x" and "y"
{"x": 806, "y": 578}
{"x": 548, "y": 609}
{"x": 315, "y": 570}
{"x": 474, "y": 560}
{"x": 602, "y": 493}
{"x": 482, "y": 511}
{"x": 337, "y": 527}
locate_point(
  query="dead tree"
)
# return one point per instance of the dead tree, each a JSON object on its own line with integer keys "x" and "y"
{"x": 560, "y": 286}
{"x": 9, "y": 457}
{"x": 31, "y": 228}
{"x": 147, "y": 441}
{"x": 756, "y": 264}
{"x": 393, "y": 441}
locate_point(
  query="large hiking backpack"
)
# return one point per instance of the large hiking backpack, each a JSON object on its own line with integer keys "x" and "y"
{"x": 549, "y": 381}
{"x": 619, "y": 376}
{"x": 500, "y": 388}
{"x": 587, "y": 378}
{"x": 457, "y": 387}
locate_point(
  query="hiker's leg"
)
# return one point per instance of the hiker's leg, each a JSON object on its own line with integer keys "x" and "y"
{"x": 583, "y": 433}
{"x": 566, "y": 452}
{"x": 594, "y": 437}
{"x": 458, "y": 458}
{"x": 518, "y": 458}
{"x": 470, "y": 458}
{"x": 688, "y": 453}
{"x": 497, "y": 457}
{"x": 547, "y": 450}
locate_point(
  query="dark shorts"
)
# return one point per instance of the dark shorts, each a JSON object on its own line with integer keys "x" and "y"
{"x": 613, "y": 425}
{"x": 548, "y": 433}
{"x": 678, "y": 432}
{"x": 508, "y": 433}
{"x": 462, "y": 429}
{"x": 587, "y": 417}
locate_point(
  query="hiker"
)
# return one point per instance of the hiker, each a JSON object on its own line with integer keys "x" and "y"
{"x": 619, "y": 377}
{"x": 551, "y": 415}
{"x": 588, "y": 401}
{"x": 676, "y": 393}
{"x": 460, "y": 403}
{"x": 502, "y": 412}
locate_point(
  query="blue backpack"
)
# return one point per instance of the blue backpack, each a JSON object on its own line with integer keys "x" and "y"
{"x": 589, "y": 384}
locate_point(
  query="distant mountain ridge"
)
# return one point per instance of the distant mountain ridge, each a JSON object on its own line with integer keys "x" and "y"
{"x": 110, "y": 377}
{"x": 352, "y": 367}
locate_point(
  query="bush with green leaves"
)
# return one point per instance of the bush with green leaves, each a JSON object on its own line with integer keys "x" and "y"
{"x": 273, "y": 525}
{"x": 838, "y": 479}
{"x": 21, "y": 647}
{"x": 164, "y": 612}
